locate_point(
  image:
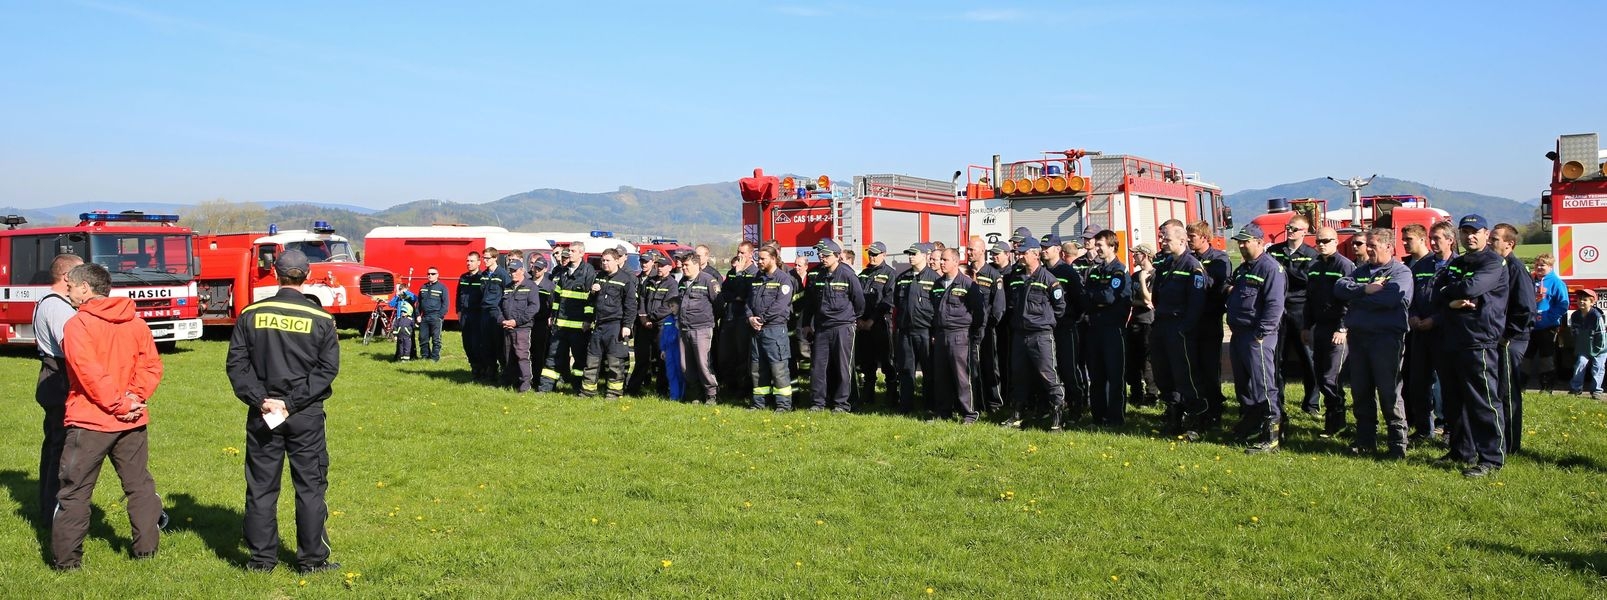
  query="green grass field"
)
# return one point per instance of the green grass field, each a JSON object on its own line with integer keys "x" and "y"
{"x": 1527, "y": 252}
{"x": 445, "y": 490}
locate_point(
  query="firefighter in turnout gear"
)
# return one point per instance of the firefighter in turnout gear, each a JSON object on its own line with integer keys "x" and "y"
{"x": 654, "y": 305}
{"x": 566, "y": 353}
{"x": 769, "y": 307}
{"x": 614, "y": 301}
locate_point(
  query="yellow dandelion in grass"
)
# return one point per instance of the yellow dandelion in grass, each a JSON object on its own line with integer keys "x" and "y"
{"x": 379, "y": 484}
{"x": 797, "y": 563}
{"x": 231, "y": 451}
{"x": 930, "y": 591}
{"x": 666, "y": 563}
{"x": 594, "y": 520}
{"x": 303, "y": 583}
{"x": 1114, "y": 578}
{"x": 1127, "y": 464}
{"x": 1031, "y": 448}
{"x": 337, "y": 513}
{"x": 747, "y": 505}
{"x": 1255, "y": 519}
{"x": 418, "y": 518}
{"x": 819, "y": 522}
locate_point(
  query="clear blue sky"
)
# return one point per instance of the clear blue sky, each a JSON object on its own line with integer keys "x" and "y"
{"x": 387, "y": 102}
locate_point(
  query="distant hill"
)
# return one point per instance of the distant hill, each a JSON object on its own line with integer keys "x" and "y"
{"x": 68, "y": 212}
{"x": 1497, "y": 210}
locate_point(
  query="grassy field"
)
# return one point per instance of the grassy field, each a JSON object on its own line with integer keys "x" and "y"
{"x": 445, "y": 490}
{"x": 1527, "y": 252}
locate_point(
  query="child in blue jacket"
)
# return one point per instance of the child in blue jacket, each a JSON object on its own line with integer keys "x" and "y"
{"x": 1589, "y": 327}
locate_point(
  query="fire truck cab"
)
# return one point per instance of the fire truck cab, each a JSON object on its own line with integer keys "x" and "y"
{"x": 1391, "y": 212}
{"x": 148, "y": 257}
{"x": 1575, "y": 209}
{"x": 1066, "y": 191}
{"x": 237, "y": 269}
{"x": 409, "y": 251}
{"x": 896, "y": 210}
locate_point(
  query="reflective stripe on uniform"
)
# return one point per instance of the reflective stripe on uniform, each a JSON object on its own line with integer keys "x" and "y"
{"x": 296, "y": 307}
{"x": 566, "y": 323}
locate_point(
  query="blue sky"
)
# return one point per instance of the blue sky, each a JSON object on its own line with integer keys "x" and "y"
{"x": 387, "y": 102}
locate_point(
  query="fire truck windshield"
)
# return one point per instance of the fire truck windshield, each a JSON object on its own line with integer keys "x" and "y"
{"x": 323, "y": 250}
{"x": 143, "y": 258}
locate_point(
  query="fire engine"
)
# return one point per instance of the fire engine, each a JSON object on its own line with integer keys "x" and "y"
{"x": 1393, "y": 212}
{"x": 1575, "y": 209}
{"x": 237, "y": 269}
{"x": 412, "y": 250}
{"x": 148, "y": 256}
{"x": 897, "y": 210}
{"x": 1063, "y": 192}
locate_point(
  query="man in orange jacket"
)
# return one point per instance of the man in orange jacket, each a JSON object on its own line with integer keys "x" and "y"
{"x": 112, "y": 369}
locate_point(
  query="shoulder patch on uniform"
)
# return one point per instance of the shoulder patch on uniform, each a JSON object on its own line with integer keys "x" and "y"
{"x": 786, "y": 289}
{"x": 1199, "y": 281}
{"x": 1059, "y": 292}
{"x": 1115, "y": 283}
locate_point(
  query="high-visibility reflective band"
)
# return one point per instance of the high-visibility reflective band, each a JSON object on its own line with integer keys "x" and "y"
{"x": 1040, "y": 284}
{"x": 760, "y": 390}
{"x": 839, "y": 284}
{"x": 296, "y": 307}
{"x": 577, "y": 372}
{"x": 1424, "y": 275}
{"x": 784, "y": 391}
{"x": 574, "y": 295}
{"x": 549, "y": 374}
{"x": 587, "y": 386}
{"x": 613, "y": 282}
{"x": 570, "y": 324}
{"x": 1255, "y": 277}
{"x": 590, "y": 309}
{"x": 1183, "y": 273}
{"x": 614, "y": 386}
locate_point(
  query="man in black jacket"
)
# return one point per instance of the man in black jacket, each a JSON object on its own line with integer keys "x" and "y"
{"x": 521, "y": 302}
{"x": 834, "y": 302}
{"x": 1325, "y": 316}
{"x": 432, "y": 299}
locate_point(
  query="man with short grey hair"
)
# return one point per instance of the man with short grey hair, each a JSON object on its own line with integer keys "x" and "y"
{"x": 50, "y": 316}
{"x": 1378, "y": 294}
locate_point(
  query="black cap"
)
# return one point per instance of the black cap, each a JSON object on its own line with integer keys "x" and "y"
{"x": 828, "y": 245}
{"x": 876, "y": 248}
{"x": 1089, "y": 232}
{"x": 919, "y": 248}
{"x": 1050, "y": 239}
{"x": 291, "y": 261}
{"x": 1021, "y": 233}
{"x": 1030, "y": 243}
{"x": 999, "y": 248}
{"x": 1251, "y": 231}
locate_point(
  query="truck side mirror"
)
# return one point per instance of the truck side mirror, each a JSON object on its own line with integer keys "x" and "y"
{"x": 265, "y": 258}
{"x": 359, "y": 256}
{"x": 1545, "y": 209}
{"x": 1227, "y": 217}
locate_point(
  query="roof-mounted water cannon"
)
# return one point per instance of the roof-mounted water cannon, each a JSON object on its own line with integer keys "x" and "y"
{"x": 14, "y": 221}
{"x": 322, "y": 227}
{"x": 1578, "y": 156}
{"x": 1355, "y": 184}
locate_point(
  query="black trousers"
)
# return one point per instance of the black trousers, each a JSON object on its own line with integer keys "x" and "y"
{"x": 1473, "y": 403}
{"x": 1174, "y": 369}
{"x": 469, "y": 324}
{"x": 540, "y": 342}
{"x": 1140, "y": 376}
{"x": 1293, "y": 353}
{"x": 1069, "y": 367}
{"x": 1328, "y": 359}
{"x": 951, "y": 374}
{"x": 831, "y": 358}
{"x": 429, "y": 338}
{"x": 1422, "y": 389}
{"x": 1032, "y": 369}
{"x": 301, "y": 439}
{"x": 491, "y": 351}
{"x": 1207, "y": 358}
{"x": 873, "y": 351}
{"x": 731, "y": 359}
{"x": 606, "y": 356}
{"x": 649, "y": 366}
{"x": 1513, "y": 382}
{"x": 985, "y": 380}
{"x": 51, "y": 394}
{"x": 1107, "y": 353}
{"x": 914, "y": 354}
{"x": 566, "y": 358}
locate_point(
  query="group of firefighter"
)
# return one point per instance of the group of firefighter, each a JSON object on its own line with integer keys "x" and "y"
{"x": 1044, "y": 330}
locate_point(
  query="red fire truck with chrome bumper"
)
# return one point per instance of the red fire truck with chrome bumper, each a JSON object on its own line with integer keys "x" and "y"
{"x": 237, "y": 269}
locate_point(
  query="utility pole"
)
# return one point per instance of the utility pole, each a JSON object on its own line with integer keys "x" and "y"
{"x": 1355, "y": 184}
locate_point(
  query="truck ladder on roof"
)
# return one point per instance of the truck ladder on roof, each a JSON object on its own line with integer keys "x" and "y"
{"x": 845, "y": 220}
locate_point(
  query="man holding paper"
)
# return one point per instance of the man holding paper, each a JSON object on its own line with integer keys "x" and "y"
{"x": 283, "y": 358}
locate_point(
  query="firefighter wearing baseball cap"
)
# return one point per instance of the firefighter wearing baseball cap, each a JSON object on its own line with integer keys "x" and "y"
{"x": 521, "y": 302}
{"x": 873, "y": 346}
{"x": 834, "y": 302}
{"x": 1255, "y": 310}
{"x": 654, "y": 295}
{"x": 912, "y": 309}
{"x": 566, "y": 353}
{"x": 1068, "y": 355}
{"x": 1037, "y": 302}
{"x": 957, "y": 319}
{"x": 1470, "y": 300}
{"x": 614, "y": 302}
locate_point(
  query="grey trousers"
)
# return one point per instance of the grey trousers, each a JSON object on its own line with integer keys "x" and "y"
{"x": 80, "y": 468}
{"x": 697, "y": 361}
{"x": 1375, "y": 382}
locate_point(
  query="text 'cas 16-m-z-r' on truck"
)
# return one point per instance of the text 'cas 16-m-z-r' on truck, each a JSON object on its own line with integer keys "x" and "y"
{"x": 237, "y": 269}
{"x": 1575, "y": 209}
{"x": 148, "y": 257}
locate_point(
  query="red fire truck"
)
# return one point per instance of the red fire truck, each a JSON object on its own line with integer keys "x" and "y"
{"x": 897, "y": 210}
{"x": 1575, "y": 208}
{"x": 1063, "y": 192}
{"x": 148, "y": 256}
{"x": 409, "y": 251}
{"x": 237, "y": 269}
{"x": 1392, "y": 212}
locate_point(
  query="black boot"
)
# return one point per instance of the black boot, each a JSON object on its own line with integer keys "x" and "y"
{"x": 1054, "y": 418}
{"x": 1173, "y": 420}
{"x": 1267, "y": 442}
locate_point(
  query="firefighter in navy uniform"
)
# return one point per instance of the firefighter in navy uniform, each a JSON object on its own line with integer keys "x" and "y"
{"x": 1296, "y": 258}
{"x": 1255, "y": 310}
{"x": 493, "y": 282}
{"x": 735, "y": 337}
{"x": 521, "y": 302}
{"x": 566, "y": 354}
{"x": 873, "y": 347}
{"x": 541, "y": 324}
{"x": 834, "y": 302}
{"x": 1037, "y": 303}
{"x": 1470, "y": 299}
{"x": 1110, "y": 303}
{"x": 958, "y": 315}
{"x": 1207, "y": 354}
{"x": 1179, "y": 296}
{"x": 769, "y": 308}
{"x": 1325, "y": 316}
{"x": 283, "y": 356}
{"x": 1521, "y": 315}
{"x": 469, "y": 301}
{"x": 985, "y": 346}
{"x": 911, "y": 304}
{"x": 614, "y": 303}
{"x": 432, "y": 303}
{"x": 1067, "y": 341}
{"x": 653, "y": 302}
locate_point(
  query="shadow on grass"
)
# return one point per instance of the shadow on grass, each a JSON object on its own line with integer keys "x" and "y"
{"x": 24, "y": 489}
{"x": 1593, "y": 564}
{"x": 1566, "y": 461}
{"x": 219, "y": 527}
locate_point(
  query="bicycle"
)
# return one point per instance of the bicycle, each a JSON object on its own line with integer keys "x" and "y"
{"x": 381, "y": 322}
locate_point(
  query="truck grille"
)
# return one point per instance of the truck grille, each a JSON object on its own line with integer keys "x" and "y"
{"x": 377, "y": 284}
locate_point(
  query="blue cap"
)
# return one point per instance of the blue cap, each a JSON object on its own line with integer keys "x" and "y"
{"x": 876, "y": 248}
{"x": 1021, "y": 233}
{"x": 1251, "y": 231}
{"x": 292, "y": 261}
{"x": 828, "y": 245}
{"x": 1473, "y": 221}
{"x": 999, "y": 248}
{"x": 1050, "y": 239}
{"x": 919, "y": 248}
{"x": 1031, "y": 243}
{"x": 515, "y": 264}
{"x": 1090, "y": 232}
